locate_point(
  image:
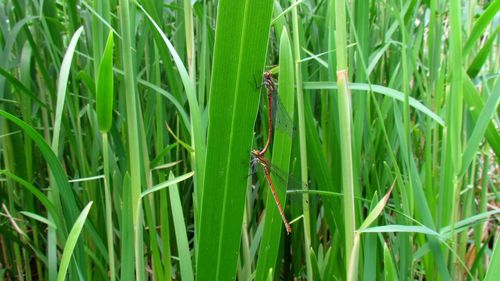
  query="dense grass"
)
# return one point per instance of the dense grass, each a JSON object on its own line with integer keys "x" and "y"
{"x": 126, "y": 129}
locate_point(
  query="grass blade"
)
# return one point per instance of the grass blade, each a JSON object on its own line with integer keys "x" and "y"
{"x": 240, "y": 46}
{"x": 180, "y": 232}
{"x": 73, "y": 236}
{"x": 282, "y": 146}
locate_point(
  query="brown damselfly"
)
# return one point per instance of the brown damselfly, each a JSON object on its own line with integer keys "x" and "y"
{"x": 271, "y": 88}
{"x": 258, "y": 159}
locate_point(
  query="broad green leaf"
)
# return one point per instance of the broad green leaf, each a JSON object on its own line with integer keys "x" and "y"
{"x": 240, "y": 46}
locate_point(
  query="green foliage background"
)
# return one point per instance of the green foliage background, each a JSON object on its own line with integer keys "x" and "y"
{"x": 126, "y": 129}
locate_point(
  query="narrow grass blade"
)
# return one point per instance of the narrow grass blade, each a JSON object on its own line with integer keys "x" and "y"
{"x": 16, "y": 83}
{"x": 71, "y": 242}
{"x": 296, "y": 35}
{"x": 372, "y": 216}
{"x": 55, "y": 166}
{"x": 198, "y": 130}
{"x": 480, "y": 25}
{"x": 494, "y": 267}
{"x": 39, "y": 218}
{"x": 483, "y": 120}
{"x": 282, "y": 146}
{"x": 62, "y": 84}
{"x": 400, "y": 228}
{"x": 180, "y": 232}
{"x": 171, "y": 181}
{"x": 395, "y": 94}
{"x": 480, "y": 59}
{"x": 475, "y": 104}
{"x": 345, "y": 122}
{"x": 390, "y": 272}
{"x": 40, "y": 196}
{"x": 135, "y": 161}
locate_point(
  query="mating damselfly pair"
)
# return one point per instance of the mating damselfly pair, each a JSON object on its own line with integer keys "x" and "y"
{"x": 279, "y": 119}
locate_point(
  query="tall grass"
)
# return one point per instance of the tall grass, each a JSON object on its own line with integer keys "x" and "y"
{"x": 126, "y": 129}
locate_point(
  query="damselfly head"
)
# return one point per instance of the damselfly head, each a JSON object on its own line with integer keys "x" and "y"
{"x": 268, "y": 75}
{"x": 268, "y": 82}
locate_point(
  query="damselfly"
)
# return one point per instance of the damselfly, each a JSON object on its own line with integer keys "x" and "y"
{"x": 271, "y": 88}
{"x": 277, "y": 112}
{"x": 258, "y": 159}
